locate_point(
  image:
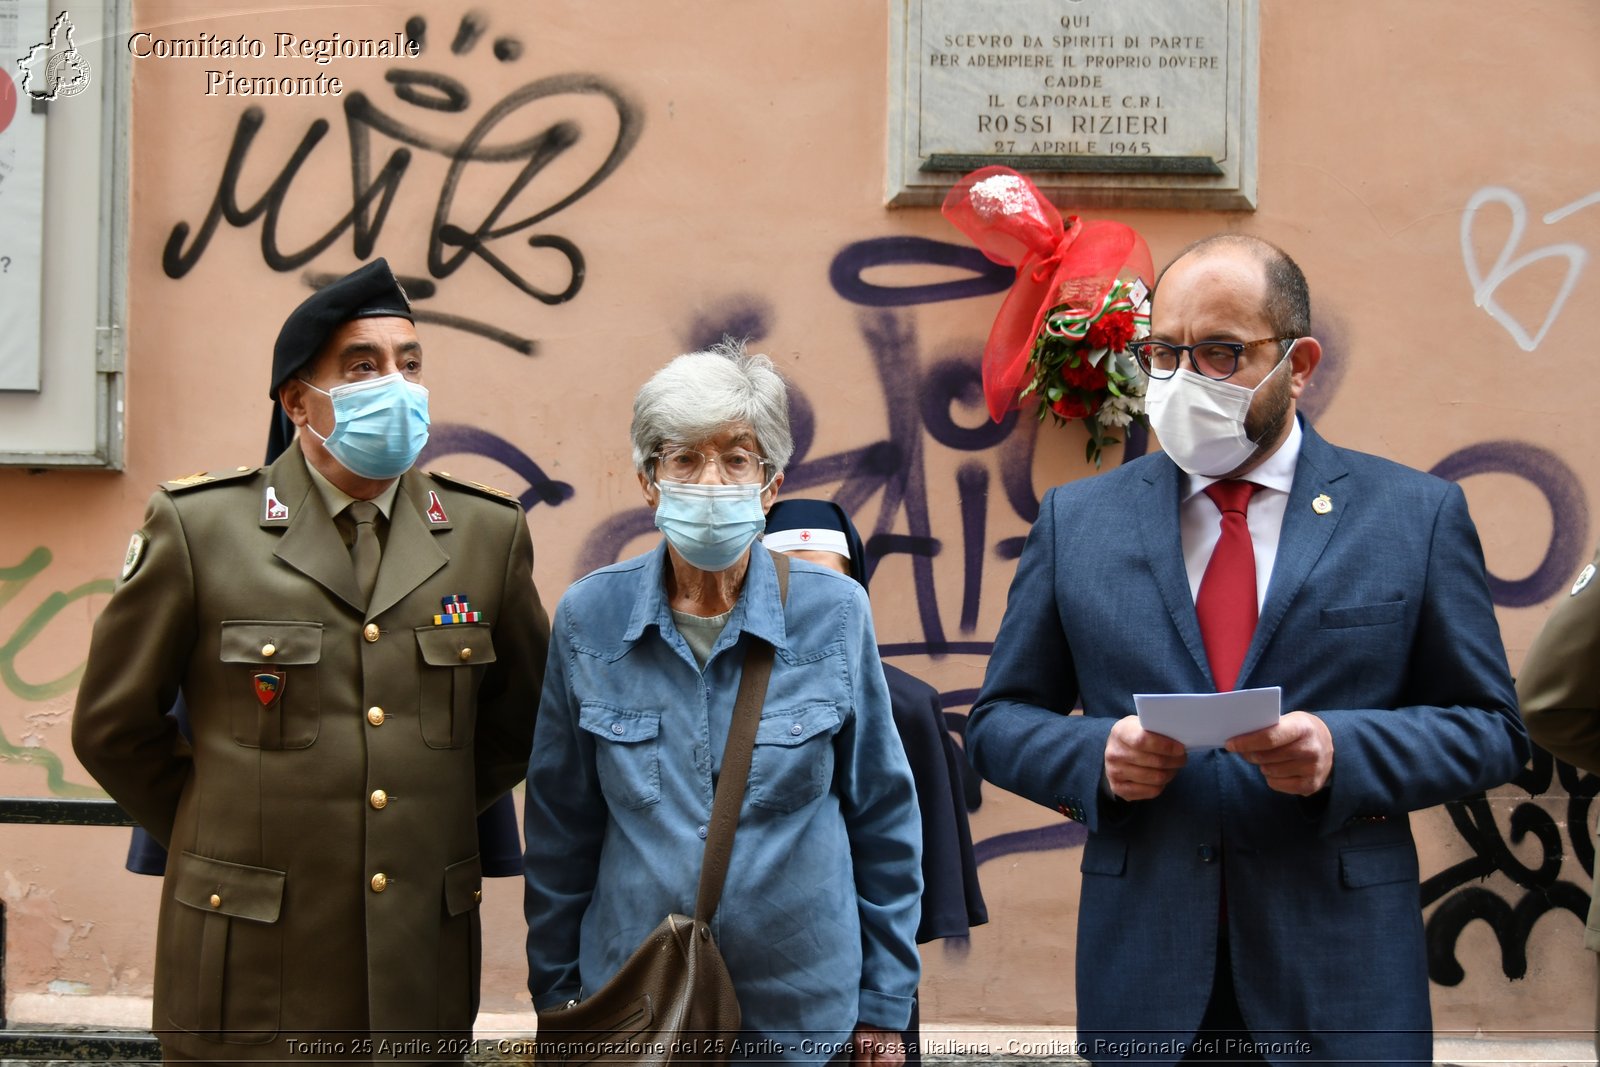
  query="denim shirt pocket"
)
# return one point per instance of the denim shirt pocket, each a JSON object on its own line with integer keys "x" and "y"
{"x": 626, "y": 753}
{"x": 793, "y": 759}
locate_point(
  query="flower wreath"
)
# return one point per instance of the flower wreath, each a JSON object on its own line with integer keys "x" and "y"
{"x": 1079, "y": 297}
{"x": 1082, "y": 368}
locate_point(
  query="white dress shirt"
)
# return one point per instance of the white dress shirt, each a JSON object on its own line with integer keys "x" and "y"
{"x": 1200, "y": 523}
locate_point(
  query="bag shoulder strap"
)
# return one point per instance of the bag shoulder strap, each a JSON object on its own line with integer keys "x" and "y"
{"x": 729, "y": 798}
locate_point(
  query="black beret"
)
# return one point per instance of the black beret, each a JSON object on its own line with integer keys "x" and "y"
{"x": 368, "y": 292}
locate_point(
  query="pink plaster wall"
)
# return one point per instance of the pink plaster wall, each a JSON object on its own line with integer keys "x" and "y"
{"x": 761, "y": 158}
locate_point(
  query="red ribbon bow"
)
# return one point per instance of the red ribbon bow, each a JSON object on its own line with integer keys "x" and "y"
{"x": 1076, "y": 264}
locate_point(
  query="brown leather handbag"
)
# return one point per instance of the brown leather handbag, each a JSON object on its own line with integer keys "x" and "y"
{"x": 672, "y": 1001}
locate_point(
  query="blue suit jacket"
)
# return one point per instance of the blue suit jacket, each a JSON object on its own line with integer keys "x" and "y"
{"x": 1378, "y": 619}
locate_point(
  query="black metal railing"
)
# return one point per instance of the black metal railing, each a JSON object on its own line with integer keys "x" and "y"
{"x": 81, "y": 1044}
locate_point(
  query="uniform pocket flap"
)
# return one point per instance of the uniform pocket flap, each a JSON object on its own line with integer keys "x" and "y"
{"x": 798, "y": 726}
{"x": 463, "y": 886}
{"x": 1104, "y": 855}
{"x": 614, "y": 724}
{"x": 271, "y": 643}
{"x": 254, "y": 893}
{"x": 1361, "y": 867}
{"x": 1363, "y": 615}
{"x": 464, "y": 645}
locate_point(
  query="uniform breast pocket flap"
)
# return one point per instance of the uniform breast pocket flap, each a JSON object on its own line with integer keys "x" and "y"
{"x": 627, "y": 753}
{"x": 793, "y": 759}
{"x": 453, "y": 658}
{"x": 275, "y": 696}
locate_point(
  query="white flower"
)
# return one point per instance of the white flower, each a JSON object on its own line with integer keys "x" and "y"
{"x": 1003, "y": 194}
{"x": 1120, "y": 410}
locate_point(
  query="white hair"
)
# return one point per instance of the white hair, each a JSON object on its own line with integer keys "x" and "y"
{"x": 701, "y": 394}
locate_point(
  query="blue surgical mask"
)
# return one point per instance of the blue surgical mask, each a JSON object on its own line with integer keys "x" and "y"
{"x": 711, "y": 526}
{"x": 379, "y": 426}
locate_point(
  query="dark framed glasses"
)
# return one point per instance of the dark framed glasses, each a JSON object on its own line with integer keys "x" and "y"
{"x": 1217, "y": 360}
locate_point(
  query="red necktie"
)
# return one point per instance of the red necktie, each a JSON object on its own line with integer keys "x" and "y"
{"x": 1226, "y": 604}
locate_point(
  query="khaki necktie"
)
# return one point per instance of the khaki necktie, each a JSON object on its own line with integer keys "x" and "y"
{"x": 365, "y": 552}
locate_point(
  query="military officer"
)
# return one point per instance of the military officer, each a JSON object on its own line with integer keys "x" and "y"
{"x": 361, "y": 648}
{"x": 1559, "y": 691}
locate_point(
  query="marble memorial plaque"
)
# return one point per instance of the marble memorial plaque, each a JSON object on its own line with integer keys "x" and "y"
{"x": 1148, "y": 103}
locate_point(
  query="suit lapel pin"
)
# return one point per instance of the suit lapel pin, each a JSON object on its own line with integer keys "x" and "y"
{"x": 1322, "y": 504}
{"x": 436, "y": 513}
{"x": 275, "y": 509}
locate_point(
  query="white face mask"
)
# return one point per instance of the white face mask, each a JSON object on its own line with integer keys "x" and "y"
{"x": 1200, "y": 421}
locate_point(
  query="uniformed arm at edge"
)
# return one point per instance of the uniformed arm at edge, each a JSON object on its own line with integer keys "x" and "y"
{"x": 508, "y": 702}
{"x": 138, "y": 654}
{"x": 1559, "y": 685}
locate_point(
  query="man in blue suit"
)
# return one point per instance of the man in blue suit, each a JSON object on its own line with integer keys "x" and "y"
{"x": 1256, "y": 903}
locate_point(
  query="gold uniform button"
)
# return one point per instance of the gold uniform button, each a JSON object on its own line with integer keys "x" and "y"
{"x": 375, "y": 716}
{"x": 269, "y": 650}
{"x": 477, "y": 896}
{"x": 466, "y": 654}
{"x": 216, "y": 901}
{"x": 380, "y": 882}
{"x": 371, "y": 632}
{"x": 379, "y": 799}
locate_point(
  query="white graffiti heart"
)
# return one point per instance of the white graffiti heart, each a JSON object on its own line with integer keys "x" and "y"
{"x": 1484, "y": 286}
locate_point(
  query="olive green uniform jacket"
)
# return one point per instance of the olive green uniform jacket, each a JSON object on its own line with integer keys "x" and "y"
{"x": 1559, "y": 690}
{"x": 322, "y": 898}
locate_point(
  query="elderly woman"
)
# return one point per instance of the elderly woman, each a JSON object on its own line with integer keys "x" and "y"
{"x": 819, "y": 914}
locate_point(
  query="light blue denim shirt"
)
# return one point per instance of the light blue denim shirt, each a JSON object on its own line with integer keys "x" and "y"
{"x": 819, "y": 913}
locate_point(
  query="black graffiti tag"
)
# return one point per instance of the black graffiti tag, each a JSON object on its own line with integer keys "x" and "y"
{"x": 452, "y": 238}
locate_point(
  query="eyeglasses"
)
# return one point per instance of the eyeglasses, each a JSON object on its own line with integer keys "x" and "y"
{"x": 1214, "y": 359}
{"x": 738, "y": 466}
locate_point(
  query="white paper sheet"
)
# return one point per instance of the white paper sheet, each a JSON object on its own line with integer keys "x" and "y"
{"x": 1207, "y": 720}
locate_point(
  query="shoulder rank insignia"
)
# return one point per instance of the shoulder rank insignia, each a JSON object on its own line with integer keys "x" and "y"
{"x": 476, "y": 487}
{"x": 199, "y": 478}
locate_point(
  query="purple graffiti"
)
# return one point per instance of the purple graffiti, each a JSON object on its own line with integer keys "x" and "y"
{"x": 451, "y": 439}
{"x": 1569, "y": 513}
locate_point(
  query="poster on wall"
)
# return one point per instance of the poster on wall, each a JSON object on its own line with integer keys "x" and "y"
{"x": 30, "y": 69}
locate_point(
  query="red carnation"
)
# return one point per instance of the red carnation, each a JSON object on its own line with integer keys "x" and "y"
{"x": 1071, "y": 407}
{"x": 1112, "y": 331}
{"x": 1089, "y": 378}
